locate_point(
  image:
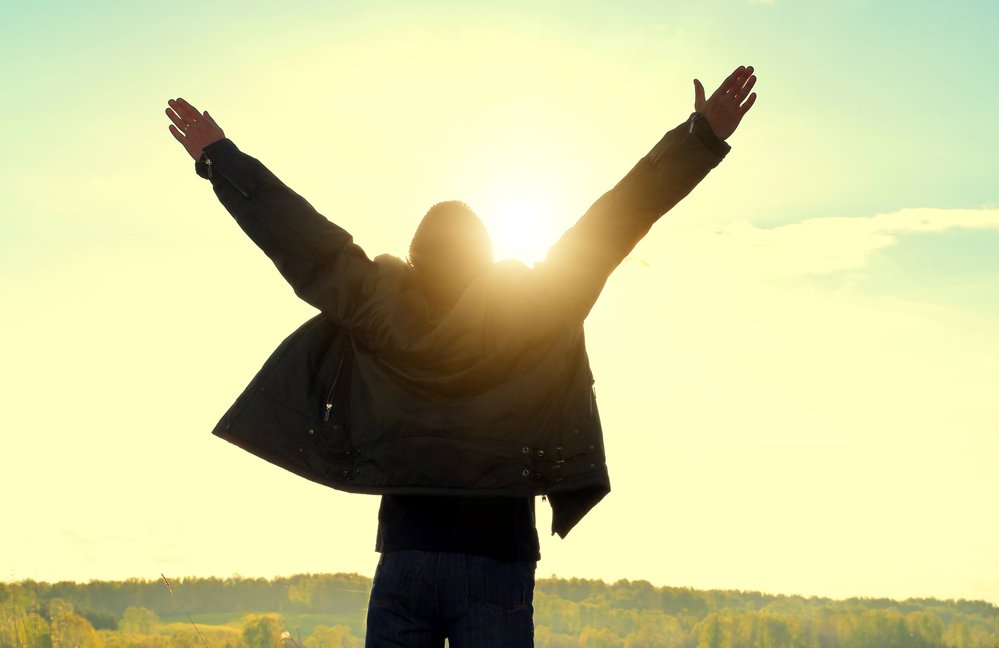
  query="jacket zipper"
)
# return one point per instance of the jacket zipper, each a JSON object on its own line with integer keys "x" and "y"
{"x": 328, "y": 409}
{"x": 211, "y": 174}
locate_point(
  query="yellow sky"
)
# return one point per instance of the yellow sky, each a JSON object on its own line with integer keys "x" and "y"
{"x": 772, "y": 421}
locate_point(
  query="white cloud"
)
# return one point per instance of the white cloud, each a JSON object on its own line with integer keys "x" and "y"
{"x": 815, "y": 246}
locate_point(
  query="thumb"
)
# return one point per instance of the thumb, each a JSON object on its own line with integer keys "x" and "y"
{"x": 698, "y": 93}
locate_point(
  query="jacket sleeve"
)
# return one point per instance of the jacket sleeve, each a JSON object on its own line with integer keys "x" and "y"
{"x": 318, "y": 258}
{"x": 578, "y": 265}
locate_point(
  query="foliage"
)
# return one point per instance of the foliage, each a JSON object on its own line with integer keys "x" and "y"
{"x": 338, "y": 636}
{"x": 327, "y": 611}
{"x": 263, "y": 631}
{"x": 138, "y": 620}
{"x": 68, "y": 629}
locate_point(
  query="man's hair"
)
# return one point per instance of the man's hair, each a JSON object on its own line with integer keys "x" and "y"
{"x": 450, "y": 223}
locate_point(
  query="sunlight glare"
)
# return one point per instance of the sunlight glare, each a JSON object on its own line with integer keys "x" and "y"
{"x": 522, "y": 224}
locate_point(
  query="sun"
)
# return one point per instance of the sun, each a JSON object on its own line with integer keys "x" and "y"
{"x": 522, "y": 223}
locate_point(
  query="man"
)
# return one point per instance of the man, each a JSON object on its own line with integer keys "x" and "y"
{"x": 455, "y": 387}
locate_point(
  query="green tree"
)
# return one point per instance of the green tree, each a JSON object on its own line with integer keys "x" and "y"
{"x": 657, "y": 630}
{"x": 803, "y": 633}
{"x": 338, "y": 636}
{"x": 68, "y": 629}
{"x": 36, "y": 631}
{"x": 982, "y": 638}
{"x": 118, "y": 639}
{"x": 263, "y": 631}
{"x": 20, "y": 628}
{"x": 599, "y": 638}
{"x": 925, "y": 628}
{"x": 771, "y": 632}
{"x": 561, "y": 615}
{"x": 545, "y": 637}
{"x": 711, "y": 632}
{"x": 878, "y": 628}
{"x": 139, "y": 620}
{"x": 836, "y": 630}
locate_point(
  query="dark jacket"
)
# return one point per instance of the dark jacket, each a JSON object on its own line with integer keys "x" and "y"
{"x": 374, "y": 395}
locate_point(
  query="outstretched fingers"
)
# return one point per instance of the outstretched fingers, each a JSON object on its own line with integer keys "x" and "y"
{"x": 177, "y": 135}
{"x": 743, "y": 92}
{"x": 210, "y": 119}
{"x": 191, "y": 111}
{"x": 184, "y": 110}
{"x": 179, "y": 122}
{"x": 730, "y": 82}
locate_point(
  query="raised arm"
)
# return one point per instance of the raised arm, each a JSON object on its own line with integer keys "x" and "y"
{"x": 318, "y": 258}
{"x": 578, "y": 265}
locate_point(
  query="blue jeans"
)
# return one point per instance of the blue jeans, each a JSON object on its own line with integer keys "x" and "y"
{"x": 420, "y": 597}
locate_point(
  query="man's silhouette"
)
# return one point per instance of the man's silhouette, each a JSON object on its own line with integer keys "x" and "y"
{"x": 455, "y": 387}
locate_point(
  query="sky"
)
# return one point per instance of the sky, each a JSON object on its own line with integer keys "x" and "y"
{"x": 797, "y": 369}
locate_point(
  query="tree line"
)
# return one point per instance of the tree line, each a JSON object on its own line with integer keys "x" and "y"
{"x": 327, "y": 611}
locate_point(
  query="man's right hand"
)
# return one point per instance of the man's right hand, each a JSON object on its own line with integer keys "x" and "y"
{"x": 192, "y": 129}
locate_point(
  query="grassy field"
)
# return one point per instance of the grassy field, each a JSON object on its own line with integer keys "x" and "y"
{"x": 299, "y": 625}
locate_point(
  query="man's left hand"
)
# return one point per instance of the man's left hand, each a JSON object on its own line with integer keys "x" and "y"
{"x": 727, "y": 105}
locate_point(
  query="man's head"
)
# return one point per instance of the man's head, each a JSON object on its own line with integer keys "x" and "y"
{"x": 450, "y": 248}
